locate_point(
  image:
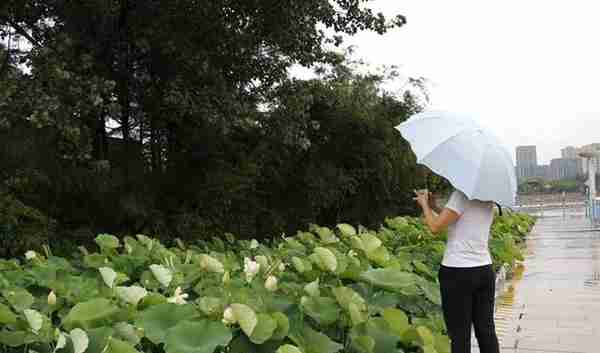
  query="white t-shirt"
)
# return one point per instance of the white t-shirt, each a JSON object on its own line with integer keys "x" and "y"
{"x": 468, "y": 237}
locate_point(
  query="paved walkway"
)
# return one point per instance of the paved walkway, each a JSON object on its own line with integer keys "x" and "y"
{"x": 552, "y": 304}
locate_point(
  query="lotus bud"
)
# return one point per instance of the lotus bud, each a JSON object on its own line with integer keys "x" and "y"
{"x": 229, "y": 317}
{"x": 30, "y": 255}
{"x": 51, "y": 298}
{"x": 253, "y": 244}
{"x": 271, "y": 283}
{"x": 251, "y": 269}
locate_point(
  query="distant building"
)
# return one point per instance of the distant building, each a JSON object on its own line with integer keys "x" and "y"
{"x": 543, "y": 171}
{"x": 563, "y": 168}
{"x": 526, "y": 156}
{"x": 527, "y": 166}
{"x": 569, "y": 152}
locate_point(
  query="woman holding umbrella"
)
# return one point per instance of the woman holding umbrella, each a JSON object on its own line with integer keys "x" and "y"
{"x": 482, "y": 173}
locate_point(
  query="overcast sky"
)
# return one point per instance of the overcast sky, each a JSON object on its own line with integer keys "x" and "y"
{"x": 527, "y": 69}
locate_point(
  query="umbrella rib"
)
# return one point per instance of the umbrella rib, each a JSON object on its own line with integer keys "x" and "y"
{"x": 439, "y": 144}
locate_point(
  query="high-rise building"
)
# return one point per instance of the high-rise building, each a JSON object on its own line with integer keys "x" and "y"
{"x": 527, "y": 166}
{"x": 563, "y": 168}
{"x": 526, "y": 156}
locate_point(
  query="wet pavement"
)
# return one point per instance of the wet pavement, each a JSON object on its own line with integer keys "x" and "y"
{"x": 552, "y": 303}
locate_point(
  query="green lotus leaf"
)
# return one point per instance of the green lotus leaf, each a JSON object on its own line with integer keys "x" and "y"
{"x": 326, "y": 235}
{"x": 323, "y": 309}
{"x": 423, "y": 269}
{"x": 431, "y": 291}
{"x": 283, "y": 326}
{"x": 380, "y": 256}
{"x": 311, "y": 341}
{"x": 17, "y": 338}
{"x": 352, "y": 302}
{"x": 378, "y": 329}
{"x": 211, "y": 305}
{"x": 429, "y": 349}
{"x": 107, "y": 241}
{"x": 313, "y": 288}
{"x": 34, "y": 319}
{"x": 391, "y": 279}
{"x": 197, "y": 337}
{"x": 288, "y": 348}
{"x": 264, "y": 329}
{"x": 357, "y": 315}
{"x": 363, "y": 344}
{"x": 6, "y": 315}
{"x": 95, "y": 260}
{"x": 18, "y": 298}
{"x": 158, "y": 319}
{"x": 294, "y": 244}
{"x": 299, "y": 265}
{"x": 442, "y": 343}
{"x": 90, "y": 314}
{"x": 98, "y": 339}
{"x": 128, "y": 333}
{"x": 420, "y": 336}
{"x": 118, "y": 346}
{"x": 370, "y": 242}
{"x": 397, "y": 320}
{"x": 346, "y": 229}
{"x": 326, "y": 259}
{"x": 246, "y": 317}
{"x": 357, "y": 243}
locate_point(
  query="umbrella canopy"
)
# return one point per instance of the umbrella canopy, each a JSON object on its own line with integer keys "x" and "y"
{"x": 460, "y": 150}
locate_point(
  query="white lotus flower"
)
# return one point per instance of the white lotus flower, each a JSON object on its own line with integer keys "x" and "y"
{"x": 271, "y": 283}
{"x": 282, "y": 267}
{"x": 162, "y": 274}
{"x": 108, "y": 275}
{"x": 251, "y": 269}
{"x": 210, "y": 264}
{"x": 253, "y": 244}
{"x": 51, "y": 298}
{"x": 229, "y": 317}
{"x": 80, "y": 340}
{"x": 34, "y": 319}
{"x": 30, "y": 255}
{"x": 132, "y": 294}
{"x": 178, "y": 298}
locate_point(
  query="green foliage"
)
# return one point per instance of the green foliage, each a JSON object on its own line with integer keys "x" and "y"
{"x": 555, "y": 186}
{"x": 52, "y": 304}
{"x": 180, "y": 119}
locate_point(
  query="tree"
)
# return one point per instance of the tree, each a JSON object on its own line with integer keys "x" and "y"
{"x": 155, "y": 120}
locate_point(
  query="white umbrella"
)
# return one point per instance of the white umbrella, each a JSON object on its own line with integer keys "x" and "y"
{"x": 460, "y": 150}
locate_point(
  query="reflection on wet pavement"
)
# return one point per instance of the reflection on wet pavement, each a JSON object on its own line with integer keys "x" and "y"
{"x": 552, "y": 303}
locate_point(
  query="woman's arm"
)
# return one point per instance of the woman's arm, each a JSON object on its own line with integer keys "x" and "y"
{"x": 435, "y": 223}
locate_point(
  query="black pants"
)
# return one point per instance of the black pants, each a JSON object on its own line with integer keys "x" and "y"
{"x": 468, "y": 299}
